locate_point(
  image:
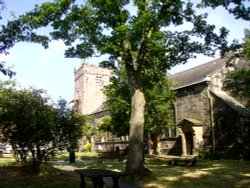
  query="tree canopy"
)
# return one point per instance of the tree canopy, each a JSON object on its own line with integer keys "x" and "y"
{"x": 34, "y": 127}
{"x": 142, "y": 40}
{"x": 3, "y": 69}
{"x": 27, "y": 123}
{"x": 237, "y": 82}
{"x": 158, "y": 110}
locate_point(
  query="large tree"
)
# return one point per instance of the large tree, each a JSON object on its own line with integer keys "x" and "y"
{"x": 143, "y": 40}
{"x": 159, "y": 111}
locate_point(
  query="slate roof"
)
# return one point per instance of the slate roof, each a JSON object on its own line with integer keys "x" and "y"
{"x": 231, "y": 102}
{"x": 98, "y": 110}
{"x": 197, "y": 74}
{"x": 203, "y": 72}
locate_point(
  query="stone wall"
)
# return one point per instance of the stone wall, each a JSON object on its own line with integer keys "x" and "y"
{"x": 192, "y": 102}
{"x": 231, "y": 139}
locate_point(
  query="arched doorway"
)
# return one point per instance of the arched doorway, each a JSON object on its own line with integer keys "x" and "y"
{"x": 189, "y": 142}
{"x": 191, "y": 134}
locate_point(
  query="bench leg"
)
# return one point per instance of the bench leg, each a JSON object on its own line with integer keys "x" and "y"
{"x": 170, "y": 163}
{"x": 98, "y": 182}
{"x": 82, "y": 182}
{"x": 100, "y": 159}
{"x": 187, "y": 163}
{"x": 115, "y": 182}
{"x": 193, "y": 162}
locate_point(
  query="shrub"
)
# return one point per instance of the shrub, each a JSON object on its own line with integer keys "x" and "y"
{"x": 88, "y": 146}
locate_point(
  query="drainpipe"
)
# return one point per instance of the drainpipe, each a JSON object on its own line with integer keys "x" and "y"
{"x": 212, "y": 119}
{"x": 175, "y": 120}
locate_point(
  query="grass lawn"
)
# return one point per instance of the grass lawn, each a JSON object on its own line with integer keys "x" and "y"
{"x": 206, "y": 174}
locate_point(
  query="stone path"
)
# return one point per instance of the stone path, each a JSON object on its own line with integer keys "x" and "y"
{"x": 108, "y": 181}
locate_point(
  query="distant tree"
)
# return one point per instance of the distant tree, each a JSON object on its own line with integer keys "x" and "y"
{"x": 70, "y": 126}
{"x": 159, "y": 113}
{"x": 246, "y": 44}
{"x": 237, "y": 82}
{"x": 143, "y": 41}
{"x": 118, "y": 107}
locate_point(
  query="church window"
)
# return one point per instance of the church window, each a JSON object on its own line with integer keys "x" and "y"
{"x": 99, "y": 80}
{"x": 169, "y": 133}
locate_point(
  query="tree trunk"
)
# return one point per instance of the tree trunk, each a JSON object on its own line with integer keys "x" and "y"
{"x": 154, "y": 140}
{"x": 72, "y": 156}
{"x": 135, "y": 162}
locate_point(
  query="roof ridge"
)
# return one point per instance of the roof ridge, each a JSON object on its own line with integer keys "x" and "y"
{"x": 196, "y": 66}
{"x": 231, "y": 101}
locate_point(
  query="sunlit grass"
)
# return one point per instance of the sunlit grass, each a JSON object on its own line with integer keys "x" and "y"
{"x": 79, "y": 156}
{"x": 6, "y": 160}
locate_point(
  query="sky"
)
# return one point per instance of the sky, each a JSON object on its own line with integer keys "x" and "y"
{"x": 48, "y": 69}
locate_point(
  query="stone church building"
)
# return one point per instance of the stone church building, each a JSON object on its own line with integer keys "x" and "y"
{"x": 90, "y": 80}
{"x": 208, "y": 120}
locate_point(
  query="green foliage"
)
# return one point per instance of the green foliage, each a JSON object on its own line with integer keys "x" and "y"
{"x": 70, "y": 124}
{"x": 159, "y": 110}
{"x": 88, "y": 146}
{"x": 159, "y": 113}
{"x": 118, "y": 107}
{"x": 3, "y": 69}
{"x": 246, "y": 45}
{"x": 238, "y": 82}
{"x": 88, "y": 129}
{"x": 237, "y": 8}
{"x": 27, "y": 123}
{"x": 85, "y": 24}
{"x": 34, "y": 127}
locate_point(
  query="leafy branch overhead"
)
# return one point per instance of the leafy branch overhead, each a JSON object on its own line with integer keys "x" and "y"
{"x": 96, "y": 28}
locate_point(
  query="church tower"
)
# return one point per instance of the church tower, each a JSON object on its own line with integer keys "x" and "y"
{"x": 90, "y": 81}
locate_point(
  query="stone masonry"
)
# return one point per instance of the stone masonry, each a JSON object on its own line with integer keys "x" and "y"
{"x": 90, "y": 81}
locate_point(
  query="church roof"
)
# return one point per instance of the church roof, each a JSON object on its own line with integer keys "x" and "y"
{"x": 203, "y": 72}
{"x": 98, "y": 110}
{"x": 197, "y": 74}
{"x": 232, "y": 102}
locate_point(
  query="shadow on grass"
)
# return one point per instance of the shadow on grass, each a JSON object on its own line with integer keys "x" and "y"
{"x": 21, "y": 177}
{"x": 207, "y": 174}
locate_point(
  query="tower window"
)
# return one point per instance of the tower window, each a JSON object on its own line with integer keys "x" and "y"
{"x": 99, "y": 79}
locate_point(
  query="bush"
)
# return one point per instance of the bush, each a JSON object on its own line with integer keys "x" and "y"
{"x": 88, "y": 146}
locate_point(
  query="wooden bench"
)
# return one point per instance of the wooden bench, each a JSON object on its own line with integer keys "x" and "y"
{"x": 189, "y": 160}
{"x": 97, "y": 175}
{"x": 119, "y": 155}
